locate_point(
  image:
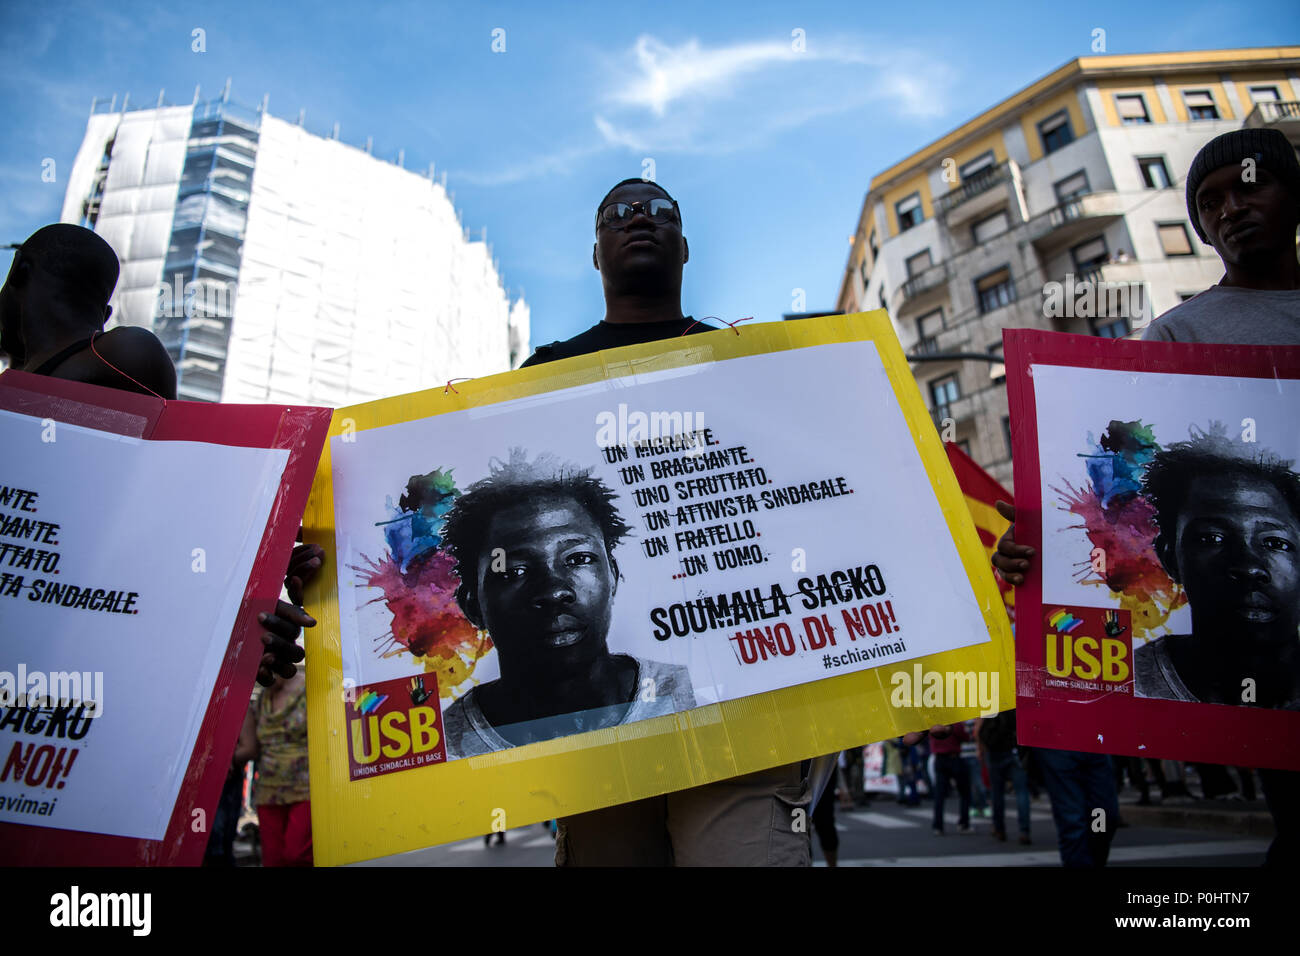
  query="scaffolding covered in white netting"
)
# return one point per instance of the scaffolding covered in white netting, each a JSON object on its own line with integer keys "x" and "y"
{"x": 123, "y": 185}
{"x": 356, "y": 279}
{"x": 357, "y": 282}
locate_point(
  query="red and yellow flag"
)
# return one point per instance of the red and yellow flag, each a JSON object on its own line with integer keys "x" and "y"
{"x": 981, "y": 490}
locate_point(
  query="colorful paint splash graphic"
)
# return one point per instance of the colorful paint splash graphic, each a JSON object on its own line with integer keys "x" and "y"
{"x": 1120, "y": 525}
{"x": 419, "y": 586}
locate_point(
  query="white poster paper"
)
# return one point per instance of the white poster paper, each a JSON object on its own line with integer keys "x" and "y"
{"x": 123, "y": 563}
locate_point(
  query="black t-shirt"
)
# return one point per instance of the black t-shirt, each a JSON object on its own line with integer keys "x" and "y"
{"x": 610, "y": 335}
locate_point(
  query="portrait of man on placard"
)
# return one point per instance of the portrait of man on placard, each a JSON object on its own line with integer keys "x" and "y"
{"x": 534, "y": 549}
{"x": 1229, "y": 533}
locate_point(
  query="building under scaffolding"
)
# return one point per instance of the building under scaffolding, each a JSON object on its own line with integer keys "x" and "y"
{"x": 280, "y": 266}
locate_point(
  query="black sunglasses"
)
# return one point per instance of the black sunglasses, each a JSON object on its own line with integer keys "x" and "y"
{"x": 617, "y": 215}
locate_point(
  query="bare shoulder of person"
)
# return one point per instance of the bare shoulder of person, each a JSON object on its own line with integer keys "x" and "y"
{"x": 138, "y": 353}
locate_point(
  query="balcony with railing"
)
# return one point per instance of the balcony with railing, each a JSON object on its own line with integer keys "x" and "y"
{"x": 918, "y": 285}
{"x": 981, "y": 193}
{"x": 925, "y": 345}
{"x": 1283, "y": 115}
{"x": 1108, "y": 290}
{"x": 1072, "y": 221}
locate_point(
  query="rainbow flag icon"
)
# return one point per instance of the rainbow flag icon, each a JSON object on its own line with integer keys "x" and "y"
{"x": 368, "y": 701}
{"x": 1064, "y": 621}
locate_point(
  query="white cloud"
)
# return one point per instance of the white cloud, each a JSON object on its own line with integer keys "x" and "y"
{"x": 690, "y": 98}
{"x": 666, "y": 73}
{"x": 717, "y": 100}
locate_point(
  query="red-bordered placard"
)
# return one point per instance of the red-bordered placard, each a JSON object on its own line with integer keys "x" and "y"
{"x": 1081, "y": 703}
{"x": 298, "y": 429}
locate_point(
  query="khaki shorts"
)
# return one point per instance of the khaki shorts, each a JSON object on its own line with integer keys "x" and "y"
{"x": 761, "y": 819}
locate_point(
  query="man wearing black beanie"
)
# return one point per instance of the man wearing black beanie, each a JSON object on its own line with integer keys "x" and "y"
{"x": 1243, "y": 197}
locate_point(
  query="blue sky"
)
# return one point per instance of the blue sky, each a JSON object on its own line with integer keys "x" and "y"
{"x": 769, "y": 150}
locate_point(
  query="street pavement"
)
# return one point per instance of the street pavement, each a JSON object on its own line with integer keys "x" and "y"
{"x": 885, "y": 833}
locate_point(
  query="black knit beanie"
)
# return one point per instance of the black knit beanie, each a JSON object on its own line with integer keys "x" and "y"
{"x": 1268, "y": 147}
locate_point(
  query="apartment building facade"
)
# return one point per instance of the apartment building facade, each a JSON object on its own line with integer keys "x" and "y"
{"x": 281, "y": 266}
{"x": 1060, "y": 208}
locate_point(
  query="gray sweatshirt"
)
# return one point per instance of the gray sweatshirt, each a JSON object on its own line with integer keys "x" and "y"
{"x": 1228, "y": 316}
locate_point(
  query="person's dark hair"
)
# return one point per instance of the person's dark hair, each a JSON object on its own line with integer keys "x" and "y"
{"x": 464, "y": 533}
{"x": 638, "y": 182}
{"x": 1211, "y": 455}
{"x": 82, "y": 264}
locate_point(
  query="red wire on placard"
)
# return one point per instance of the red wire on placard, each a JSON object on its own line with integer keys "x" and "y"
{"x": 118, "y": 370}
{"x": 730, "y": 325}
{"x": 464, "y": 378}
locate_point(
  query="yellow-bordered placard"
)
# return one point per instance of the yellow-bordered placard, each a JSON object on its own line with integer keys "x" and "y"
{"x": 428, "y": 805}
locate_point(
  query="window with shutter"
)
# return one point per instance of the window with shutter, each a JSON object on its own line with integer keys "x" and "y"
{"x": 918, "y": 263}
{"x": 995, "y": 290}
{"x": 1155, "y": 174}
{"x": 909, "y": 212}
{"x": 1055, "y": 132}
{"x": 1200, "y": 104}
{"x": 1174, "y": 239}
{"x": 1089, "y": 255}
{"x": 1132, "y": 108}
{"x": 1072, "y": 187}
{"x": 994, "y": 225}
{"x": 977, "y": 165}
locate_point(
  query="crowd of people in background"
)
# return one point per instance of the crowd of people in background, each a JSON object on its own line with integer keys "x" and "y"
{"x": 981, "y": 757}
